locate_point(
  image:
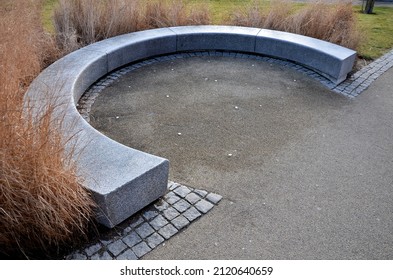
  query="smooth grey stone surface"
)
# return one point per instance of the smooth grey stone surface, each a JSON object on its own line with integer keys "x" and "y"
{"x": 130, "y": 47}
{"x": 210, "y": 37}
{"x": 330, "y": 60}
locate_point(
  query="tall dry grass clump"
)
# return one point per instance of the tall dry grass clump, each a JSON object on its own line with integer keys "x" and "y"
{"x": 334, "y": 22}
{"x": 174, "y": 13}
{"x": 42, "y": 205}
{"x": 82, "y": 22}
{"x": 257, "y": 15}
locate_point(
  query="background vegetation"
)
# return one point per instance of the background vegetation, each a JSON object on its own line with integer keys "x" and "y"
{"x": 376, "y": 30}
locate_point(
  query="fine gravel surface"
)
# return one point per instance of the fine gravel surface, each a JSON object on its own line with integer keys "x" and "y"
{"x": 304, "y": 173}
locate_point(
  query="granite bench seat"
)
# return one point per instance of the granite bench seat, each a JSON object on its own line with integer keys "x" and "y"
{"x": 123, "y": 180}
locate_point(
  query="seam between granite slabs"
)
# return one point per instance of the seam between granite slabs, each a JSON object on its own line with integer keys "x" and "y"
{"x": 152, "y": 226}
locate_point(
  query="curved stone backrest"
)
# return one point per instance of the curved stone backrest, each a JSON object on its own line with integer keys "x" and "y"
{"x": 124, "y": 180}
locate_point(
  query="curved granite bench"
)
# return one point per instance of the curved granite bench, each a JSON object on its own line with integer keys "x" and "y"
{"x": 124, "y": 180}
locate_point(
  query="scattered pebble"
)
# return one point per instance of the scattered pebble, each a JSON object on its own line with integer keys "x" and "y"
{"x": 229, "y": 155}
{"x": 167, "y": 96}
{"x": 236, "y": 107}
{"x": 179, "y": 134}
{"x": 117, "y": 117}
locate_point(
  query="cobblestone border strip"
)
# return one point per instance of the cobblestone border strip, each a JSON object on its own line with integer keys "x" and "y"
{"x": 350, "y": 88}
{"x": 152, "y": 226}
{"x": 88, "y": 98}
{"x": 183, "y": 205}
{"x": 362, "y": 79}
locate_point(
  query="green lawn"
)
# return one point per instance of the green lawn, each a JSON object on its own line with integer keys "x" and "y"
{"x": 377, "y": 29}
{"x": 47, "y": 14}
{"x": 378, "y": 32}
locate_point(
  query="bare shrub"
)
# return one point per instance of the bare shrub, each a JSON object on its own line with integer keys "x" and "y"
{"x": 42, "y": 205}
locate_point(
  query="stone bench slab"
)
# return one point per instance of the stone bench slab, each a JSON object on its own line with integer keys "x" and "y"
{"x": 123, "y": 180}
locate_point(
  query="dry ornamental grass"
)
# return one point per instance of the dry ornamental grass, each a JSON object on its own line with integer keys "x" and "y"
{"x": 42, "y": 205}
{"x": 82, "y": 22}
{"x": 78, "y": 24}
{"x": 335, "y": 23}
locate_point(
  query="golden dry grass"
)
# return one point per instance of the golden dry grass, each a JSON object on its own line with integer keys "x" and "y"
{"x": 78, "y": 24}
{"x": 82, "y": 22}
{"x": 335, "y": 23}
{"x": 42, "y": 205}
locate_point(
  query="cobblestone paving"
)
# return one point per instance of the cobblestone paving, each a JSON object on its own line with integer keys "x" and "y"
{"x": 152, "y": 226}
{"x": 183, "y": 205}
{"x": 362, "y": 79}
{"x": 350, "y": 88}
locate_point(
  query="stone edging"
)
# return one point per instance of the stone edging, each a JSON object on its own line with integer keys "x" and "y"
{"x": 131, "y": 243}
{"x": 151, "y": 227}
{"x": 363, "y": 78}
{"x": 351, "y": 87}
